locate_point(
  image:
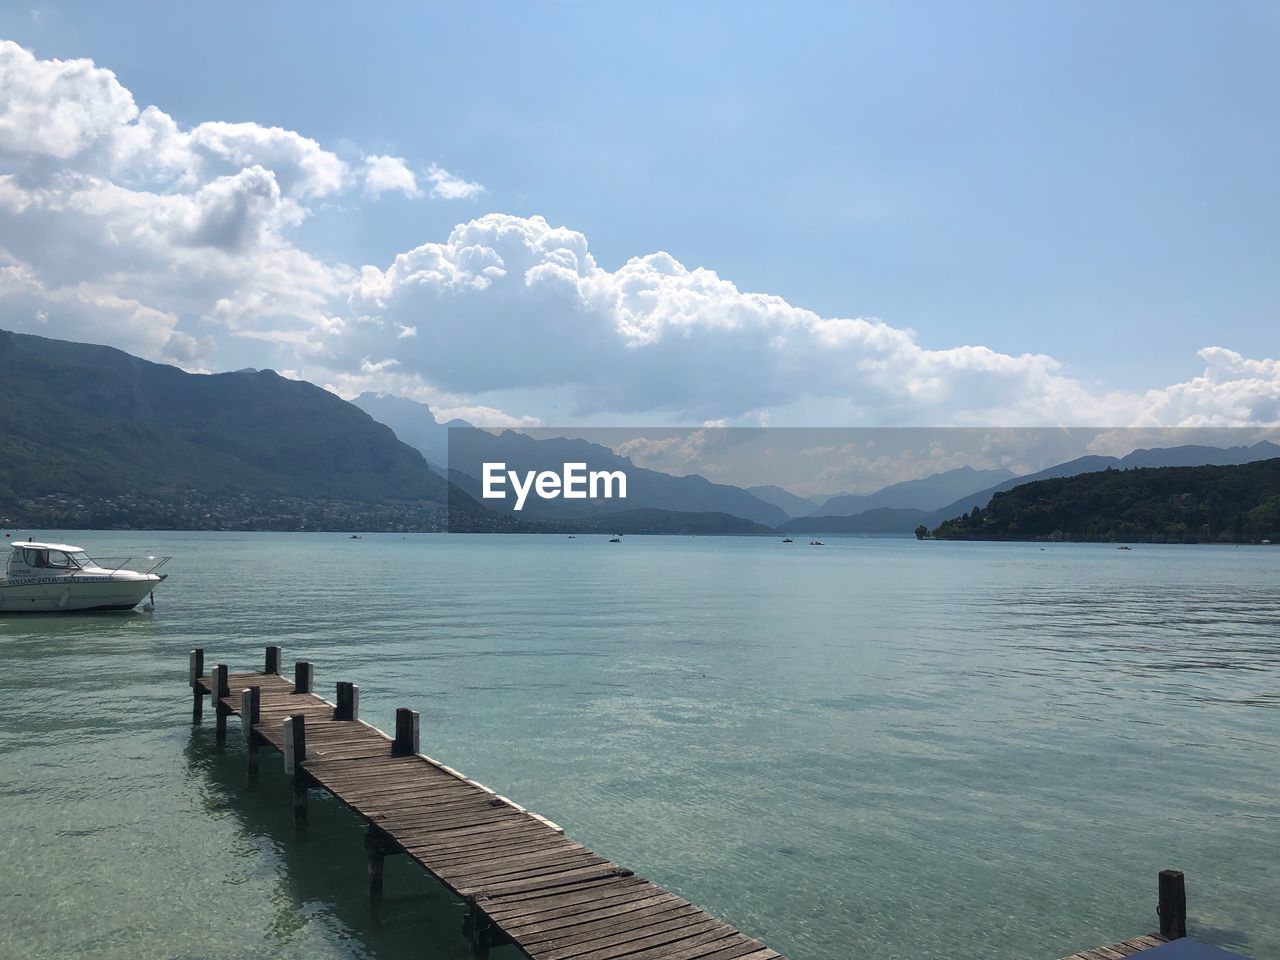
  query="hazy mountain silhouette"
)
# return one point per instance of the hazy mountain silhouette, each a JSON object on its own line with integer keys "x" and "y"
{"x": 786, "y": 501}
{"x": 647, "y": 489}
{"x": 927, "y": 493}
{"x": 414, "y": 423}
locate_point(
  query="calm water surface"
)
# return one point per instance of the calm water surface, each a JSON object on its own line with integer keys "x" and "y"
{"x": 877, "y": 748}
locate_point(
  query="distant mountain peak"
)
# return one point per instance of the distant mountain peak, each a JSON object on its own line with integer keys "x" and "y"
{"x": 924, "y": 493}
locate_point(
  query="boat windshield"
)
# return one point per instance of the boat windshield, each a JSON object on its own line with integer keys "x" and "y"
{"x": 59, "y": 560}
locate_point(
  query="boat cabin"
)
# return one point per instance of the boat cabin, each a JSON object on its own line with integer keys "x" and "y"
{"x": 31, "y": 559}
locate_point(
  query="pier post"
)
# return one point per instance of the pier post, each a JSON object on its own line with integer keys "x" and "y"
{"x": 303, "y": 674}
{"x": 250, "y": 715}
{"x": 273, "y": 661}
{"x": 477, "y": 927}
{"x": 1172, "y": 906}
{"x": 195, "y": 670}
{"x": 348, "y": 707}
{"x": 377, "y": 855}
{"x": 295, "y": 753}
{"x": 220, "y": 689}
{"x": 406, "y": 741}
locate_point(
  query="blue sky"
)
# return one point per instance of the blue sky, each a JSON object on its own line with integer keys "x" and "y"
{"x": 1090, "y": 182}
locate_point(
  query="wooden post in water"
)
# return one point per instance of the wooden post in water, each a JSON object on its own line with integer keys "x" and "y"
{"x": 195, "y": 671}
{"x": 348, "y": 706}
{"x": 250, "y": 715}
{"x": 478, "y": 928}
{"x": 220, "y": 689}
{"x": 1172, "y": 906}
{"x": 273, "y": 661}
{"x": 373, "y": 846}
{"x": 302, "y": 676}
{"x": 406, "y": 741}
{"x": 295, "y": 753}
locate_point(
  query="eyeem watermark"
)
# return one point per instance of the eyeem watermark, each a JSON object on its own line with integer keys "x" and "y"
{"x": 574, "y": 482}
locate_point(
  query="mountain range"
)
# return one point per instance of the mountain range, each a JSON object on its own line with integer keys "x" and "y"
{"x": 92, "y": 436}
{"x": 646, "y": 489}
{"x": 895, "y": 509}
{"x": 90, "y": 433}
{"x": 465, "y": 448}
{"x": 903, "y": 520}
{"x": 789, "y": 503}
{"x": 926, "y": 493}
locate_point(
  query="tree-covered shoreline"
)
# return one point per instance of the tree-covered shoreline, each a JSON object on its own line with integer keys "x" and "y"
{"x": 1211, "y": 504}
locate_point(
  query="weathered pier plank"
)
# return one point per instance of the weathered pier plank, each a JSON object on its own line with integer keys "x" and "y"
{"x": 526, "y": 882}
{"x": 1125, "y": 948}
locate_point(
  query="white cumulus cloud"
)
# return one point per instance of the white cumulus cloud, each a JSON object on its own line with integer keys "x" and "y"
{"x": 446, "y": 186}
{"x": 382, "y": 174}
{"x": 509, "y": 301}
{"x": 103, "y": 203}
{"x": 57, "y": 107}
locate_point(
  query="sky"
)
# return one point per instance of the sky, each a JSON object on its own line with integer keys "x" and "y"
{"x": 991, "y": 214}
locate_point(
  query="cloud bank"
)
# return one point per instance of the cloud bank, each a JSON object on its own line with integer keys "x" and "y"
{"x": 509, "y": 301}
{"x": 121, "y": 226}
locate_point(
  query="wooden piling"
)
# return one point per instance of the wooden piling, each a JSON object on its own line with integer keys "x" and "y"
{"x": 272, "y": 664}
{"x": 195, "y": 670}
{"x": 377, "y": 854}
{"x": 303, "y": 674}
{"x": 250, "y": 714}
{"x": 295, "y": 753}
{"x": 348, "y": 705}
{"x": 481, "y": 934}
{"x": 406, "y": 741}
{"x": 220, "y": 689}
{"x": 287, "y": 753}
{"x": 299, "y": 796}
{"x": 1172, "y": 905}
{"x": 251, "y": 711}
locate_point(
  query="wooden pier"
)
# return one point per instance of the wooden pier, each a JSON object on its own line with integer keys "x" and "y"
{"x": 1171, "y": 908}
{"x": 1125, "y": 948}
{"x": 524, "y": 882}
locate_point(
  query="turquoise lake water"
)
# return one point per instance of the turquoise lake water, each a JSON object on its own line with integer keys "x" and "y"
{"x": 872, "y": 749}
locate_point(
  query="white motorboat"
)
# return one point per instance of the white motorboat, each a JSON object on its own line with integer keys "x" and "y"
{"x": 56, "y": 577}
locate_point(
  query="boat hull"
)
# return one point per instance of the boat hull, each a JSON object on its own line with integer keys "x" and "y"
{"x": 81, "y": 594}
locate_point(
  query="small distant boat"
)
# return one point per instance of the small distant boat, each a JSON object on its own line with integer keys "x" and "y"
{"x": 815, "y": 543}
{"x": 355, "y": 536}
{"x": 787, "y": 540}
{"x": 55, "y": 577}
{"x": 1124, "y": 548}
{"x": 616, "y": 538}
{"x": 572, "y": 537}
